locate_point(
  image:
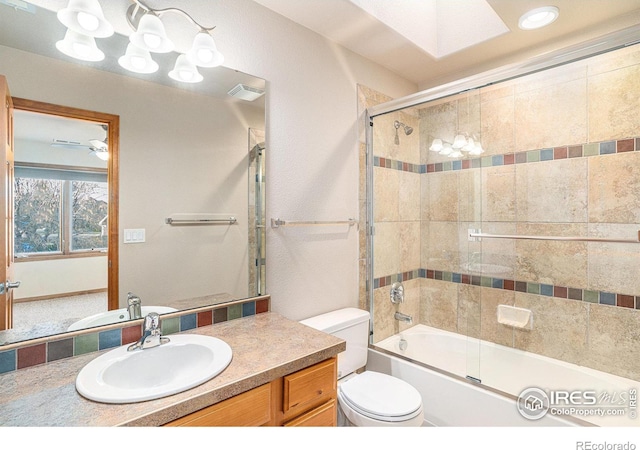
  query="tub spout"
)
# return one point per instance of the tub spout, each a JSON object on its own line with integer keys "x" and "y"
{"x": 403, "y": 317}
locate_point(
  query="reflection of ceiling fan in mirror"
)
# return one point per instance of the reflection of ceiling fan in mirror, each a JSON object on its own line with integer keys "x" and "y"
{"x": 99, "y": 147}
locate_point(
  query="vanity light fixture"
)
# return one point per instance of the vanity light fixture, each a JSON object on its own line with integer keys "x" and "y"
{"x": 85, "y": 21}
{"x": 538, "y": 18}
{"x": 150, "y": 35}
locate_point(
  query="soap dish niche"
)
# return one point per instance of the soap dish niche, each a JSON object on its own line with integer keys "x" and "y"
{"x": 512, "y": 316}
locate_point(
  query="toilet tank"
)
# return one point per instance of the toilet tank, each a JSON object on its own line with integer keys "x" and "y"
{"x": 352, "y": 325}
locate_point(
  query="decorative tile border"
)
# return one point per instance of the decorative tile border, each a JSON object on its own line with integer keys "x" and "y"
{"x": 529, "y": 156}
{"x": 398, "y": 165}
{"x": 591, "y": 296}
{"x": 67, "y": 346}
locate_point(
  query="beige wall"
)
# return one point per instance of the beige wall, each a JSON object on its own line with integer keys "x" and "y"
{"x": 579, "y": 105}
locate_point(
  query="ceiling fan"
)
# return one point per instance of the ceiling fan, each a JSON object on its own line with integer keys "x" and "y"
{"x": 99, "y": 147}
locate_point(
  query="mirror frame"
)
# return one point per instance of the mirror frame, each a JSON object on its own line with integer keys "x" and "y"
{"x": 113, "y": 164}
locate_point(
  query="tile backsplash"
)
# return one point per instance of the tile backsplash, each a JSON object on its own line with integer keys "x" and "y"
{"x": 41, "y": 351}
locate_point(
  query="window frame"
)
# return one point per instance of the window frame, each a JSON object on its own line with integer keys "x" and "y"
{"x": 66, "y": 217}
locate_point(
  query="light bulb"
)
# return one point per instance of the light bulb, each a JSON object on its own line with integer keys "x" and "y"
{"x": 88, "y": 21}
{"x": 205, "y": 55}
{"x": 138, "y": 62}
{"x": 152, "y": 40}
{"x": 185, "y": 75}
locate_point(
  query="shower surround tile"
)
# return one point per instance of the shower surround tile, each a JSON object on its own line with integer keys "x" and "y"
{"x": 613, "y": 339}
{"x": 614, "y": 188}
{"x": 552, "y": 191}
{"x": 498, "y": 190}
{"x": 539, "y": 110}
{"x": 562, "y": 263}
{"x": 443, "y": 196}
{"x": 560, "y": 329}
{"x": 613, "y": 104}
{"x": 439, "y": 306}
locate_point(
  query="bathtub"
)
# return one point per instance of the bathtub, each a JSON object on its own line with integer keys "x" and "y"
{"x": 435, "y": 362}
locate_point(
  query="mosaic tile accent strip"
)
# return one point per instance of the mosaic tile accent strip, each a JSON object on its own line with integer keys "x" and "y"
{"x": 540, "y": 155}
{"x": 93, "y": 341}
{"x": 523, "y": 157}
{"x": 548, "y": 290}
{"x": 398, "y": 165}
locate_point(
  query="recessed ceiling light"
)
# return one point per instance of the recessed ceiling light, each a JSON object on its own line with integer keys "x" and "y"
{"x": 538, "y": 18}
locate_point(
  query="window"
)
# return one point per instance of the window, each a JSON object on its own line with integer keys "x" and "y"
{"x": 59, "y": 210}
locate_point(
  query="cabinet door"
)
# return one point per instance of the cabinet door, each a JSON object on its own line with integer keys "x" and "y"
{"x": 322, "y": 416}
{"x": 250, "y": 409}
{"x": 310, "y": 386}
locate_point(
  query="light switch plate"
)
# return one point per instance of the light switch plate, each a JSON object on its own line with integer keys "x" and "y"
{"x": 134, "y": 235}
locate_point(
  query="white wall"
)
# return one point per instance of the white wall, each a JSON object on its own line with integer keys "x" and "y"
{"x": 60, "y": 276}
{"x": 312, "y": 142}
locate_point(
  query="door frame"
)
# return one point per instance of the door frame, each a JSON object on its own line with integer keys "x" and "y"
{"x": 113, "y": 171}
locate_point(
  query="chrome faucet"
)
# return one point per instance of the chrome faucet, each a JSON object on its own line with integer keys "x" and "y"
{"x": 152, "y": 336}
{"x": 403, "y": 317}
{"x": 134, "y": 306}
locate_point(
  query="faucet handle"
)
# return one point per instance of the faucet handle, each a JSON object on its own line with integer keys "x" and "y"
{"x": 152, "y": 322}
{"x": 132, "y": 298}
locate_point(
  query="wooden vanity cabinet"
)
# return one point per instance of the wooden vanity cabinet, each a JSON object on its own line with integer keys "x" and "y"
{"x": 303, "y": 398}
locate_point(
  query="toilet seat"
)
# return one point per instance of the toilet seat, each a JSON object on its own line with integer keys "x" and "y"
{"x": 381, "y": 397}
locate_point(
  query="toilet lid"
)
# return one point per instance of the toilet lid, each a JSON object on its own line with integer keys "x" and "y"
{"x": 381, "y": 396}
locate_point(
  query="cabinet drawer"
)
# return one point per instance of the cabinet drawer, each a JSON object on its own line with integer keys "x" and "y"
{"x": 251, "y": 408}
{"x": 310, "y": 385}
{"x": 322, "y": 416}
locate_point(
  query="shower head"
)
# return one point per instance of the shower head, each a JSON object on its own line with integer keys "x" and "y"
{"x": 407, "y": 130}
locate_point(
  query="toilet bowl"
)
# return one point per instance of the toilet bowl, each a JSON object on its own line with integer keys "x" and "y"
{"x": 368, "y": 398}
{"x": 377, "y": 399}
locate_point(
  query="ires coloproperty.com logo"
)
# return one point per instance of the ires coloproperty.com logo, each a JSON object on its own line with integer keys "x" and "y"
{"x": 534, "y": 403}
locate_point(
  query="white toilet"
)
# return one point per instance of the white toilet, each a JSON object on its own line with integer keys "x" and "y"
{"x": 369, "y": 398}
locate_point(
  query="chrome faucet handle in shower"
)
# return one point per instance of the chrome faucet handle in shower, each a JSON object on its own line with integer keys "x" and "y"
{"x": 397, "y": 292}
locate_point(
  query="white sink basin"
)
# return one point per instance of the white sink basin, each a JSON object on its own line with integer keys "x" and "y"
{"x": 122, "y": 376}
{"x": 114, "y": 316}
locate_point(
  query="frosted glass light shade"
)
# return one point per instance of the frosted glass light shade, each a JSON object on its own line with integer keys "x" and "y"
{"x": 436, "y": 145}
{"x": 459, "y": 141}
{"x": 185, "y": 71}
{"x": 470, "y": 145}
{"x": 80, "y": 46}
{"x": 477, "y": 150}
{"x": 151, "y": 35}
{"x": 204, "y": 52}
{"x": 85, "y": 17}
{"x": 446, "y": 149}
{"x": 137, "y": 60}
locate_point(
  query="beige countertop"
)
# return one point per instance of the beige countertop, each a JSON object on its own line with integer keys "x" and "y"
{"x": 265, "y": 346}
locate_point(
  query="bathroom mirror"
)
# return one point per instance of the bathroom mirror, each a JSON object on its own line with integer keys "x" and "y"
{"x": 188, "y": 152}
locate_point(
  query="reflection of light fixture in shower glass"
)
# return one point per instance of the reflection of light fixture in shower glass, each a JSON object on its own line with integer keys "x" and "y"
{"x": 462, "y": 143}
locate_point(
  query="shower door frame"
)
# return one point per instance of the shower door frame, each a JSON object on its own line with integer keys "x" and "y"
{"x": 587, "y": 49}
